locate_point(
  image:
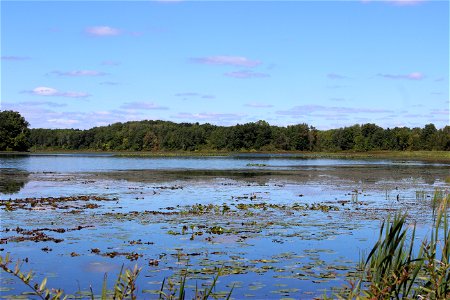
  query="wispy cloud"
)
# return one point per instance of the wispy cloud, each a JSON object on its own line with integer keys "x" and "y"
{"x": 15, "y": 58}
{"x": 142, "y": 105}
{"x": 186, "y": 95}
{"x": 51, "y": 92}
{"x": 110, "y": 63}
{"x": 258, "y": 105}
{"x": 444, "y": 112}
{"x": 42, "y": 103}
{"x": 40, "y": 117}
{"x": 397, "y": 2}
{"x": 331, "y": 110}
{"x": 214, "y": 117}
{"x": 79, "y": 73}
{"x": 237, "y": 61}
{"x": 244, "y": 74}
{"x": 63, "y": 121}
{"x": 405, "y": 2}
{"x": 334, "y": 87}
{"x": 109, "y": 83}
{"x": 410, "y": 76}
{"x": 103, "y": 31}
{"x": 336, "y": 76}
{"x": 167, "y": 1}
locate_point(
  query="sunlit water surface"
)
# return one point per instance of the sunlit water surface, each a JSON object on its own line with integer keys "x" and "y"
{"x": 278, "y": 226}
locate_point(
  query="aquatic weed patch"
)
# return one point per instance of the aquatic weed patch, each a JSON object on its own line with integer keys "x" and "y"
{"x": 52, "y": 203}
{"x": 276, "y": 236}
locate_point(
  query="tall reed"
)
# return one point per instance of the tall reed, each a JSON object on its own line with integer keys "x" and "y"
{"x": 393, "y": 270}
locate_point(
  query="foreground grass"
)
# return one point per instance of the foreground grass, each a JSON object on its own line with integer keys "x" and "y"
{"x": 393, "y": 271}
{"x": 123, "y": 288}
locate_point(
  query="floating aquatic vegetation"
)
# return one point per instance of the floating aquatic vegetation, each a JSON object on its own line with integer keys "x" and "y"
{"x": 52, "y": 203}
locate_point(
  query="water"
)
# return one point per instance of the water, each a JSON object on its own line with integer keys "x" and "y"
{"x": 270, "y": 248}
{"x": 69, "y": 163}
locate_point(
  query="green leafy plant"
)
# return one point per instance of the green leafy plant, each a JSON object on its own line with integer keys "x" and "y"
{"x": 124, "y": 287}
{"x": 39, "y": 290}
{"x": 393, "y": 271}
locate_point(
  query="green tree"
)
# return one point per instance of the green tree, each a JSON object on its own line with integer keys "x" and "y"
{"x": 14, "y": 131}
{"x": 428, "y": 137}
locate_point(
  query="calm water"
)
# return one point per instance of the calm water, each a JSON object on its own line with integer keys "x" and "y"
{"x": 269, "y": 248}
{"x": 68, "y": 163}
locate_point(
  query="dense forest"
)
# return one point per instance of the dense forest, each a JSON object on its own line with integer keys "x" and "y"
{"x": 259, "y": 136}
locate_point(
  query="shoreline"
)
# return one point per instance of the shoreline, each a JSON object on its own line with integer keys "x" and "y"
{"x": 443, "y": 156}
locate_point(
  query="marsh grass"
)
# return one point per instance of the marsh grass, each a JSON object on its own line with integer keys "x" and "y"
{"x": 169, "y": 291}
{"x": 392, "y": 269}
{"x": 124, "y": 286}
{"x": 39, "y": 290}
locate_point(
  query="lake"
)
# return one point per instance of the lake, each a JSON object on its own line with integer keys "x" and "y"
{"x": 278, "y": 226}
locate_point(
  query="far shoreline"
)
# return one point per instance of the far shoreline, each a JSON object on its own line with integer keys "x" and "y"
{"x": 438, "y": 156}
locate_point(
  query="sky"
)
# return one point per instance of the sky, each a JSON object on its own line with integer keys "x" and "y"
{"x": 81, "y": 64}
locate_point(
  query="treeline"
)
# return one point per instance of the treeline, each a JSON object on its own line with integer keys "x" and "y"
{"x": 259, "y": 136}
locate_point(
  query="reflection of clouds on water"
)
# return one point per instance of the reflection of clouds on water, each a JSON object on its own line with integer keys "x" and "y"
{"x": 101, "y": 267}
{"x": 12, "y": 180}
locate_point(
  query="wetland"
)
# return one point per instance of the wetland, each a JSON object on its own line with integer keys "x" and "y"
{"x": 276, "y": 226}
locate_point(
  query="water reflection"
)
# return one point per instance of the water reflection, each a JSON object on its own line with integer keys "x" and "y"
{"x": 12, "y": 180}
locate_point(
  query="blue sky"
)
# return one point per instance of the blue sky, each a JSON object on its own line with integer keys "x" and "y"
{"x": 81, "y": 64}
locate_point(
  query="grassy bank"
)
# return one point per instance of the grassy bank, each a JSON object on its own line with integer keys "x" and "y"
{"x": 443, "y": 156}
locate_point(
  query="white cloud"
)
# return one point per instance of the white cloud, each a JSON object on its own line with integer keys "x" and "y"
{"x": 110, "y": 63}
{"x": 142, "y": 105}
{"x": 336, "y": 76}
{"x": 397, "y": 2}
{"x": 238, "y": 61}
{"x": 63, "y": 121}
{"x": 79, "y": 73}
{"x": 51, "y": 92}
{"x": 45, "y": 91}
{"x": 405, "y": 2}
{"x": 103, "y": 31}
{"x": 246, "y": 74}
{"x": 190, "y": 95}
{"x": 303, "y": 110}
{"x": 217, "y": 117}
{"x": 258, "y": 105}
{"x": 410, "y": 76}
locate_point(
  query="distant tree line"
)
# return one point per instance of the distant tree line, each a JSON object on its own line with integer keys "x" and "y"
{"x": 260, "y": 136}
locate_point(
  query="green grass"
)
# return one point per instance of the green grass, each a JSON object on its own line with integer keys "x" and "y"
{"x": 393, "y": 270}
{"x": 443, "y": 156}
{"x": 124, "y": 286}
